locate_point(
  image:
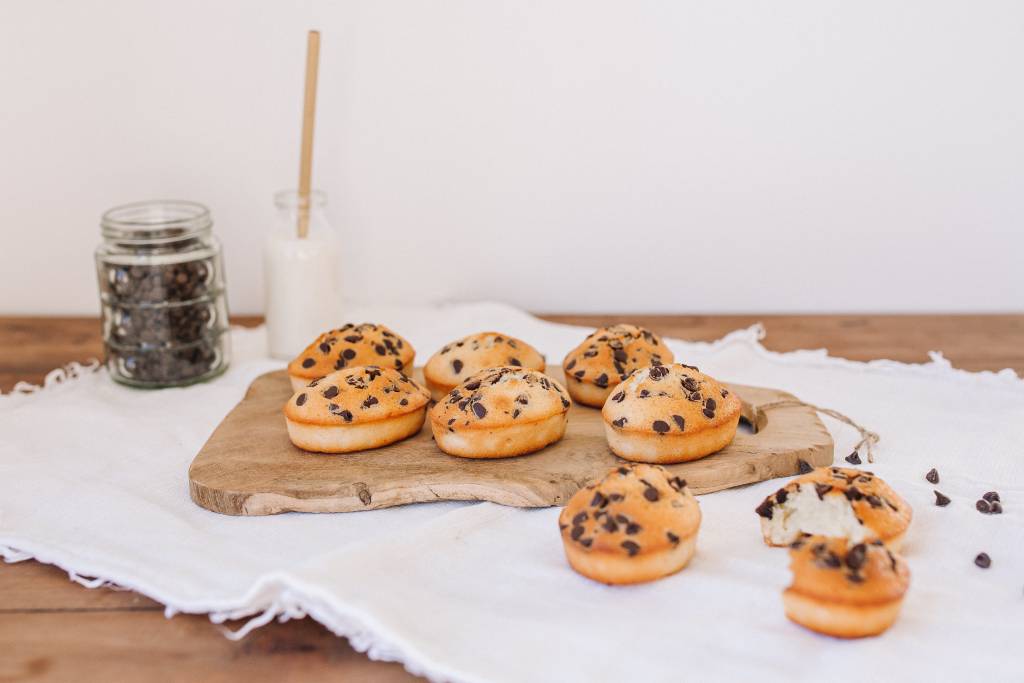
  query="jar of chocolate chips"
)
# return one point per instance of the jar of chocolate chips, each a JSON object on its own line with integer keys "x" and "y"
{"x": 161, "y": 278}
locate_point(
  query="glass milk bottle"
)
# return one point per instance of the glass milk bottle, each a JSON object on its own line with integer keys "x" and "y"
{"x": 300, "y": 276}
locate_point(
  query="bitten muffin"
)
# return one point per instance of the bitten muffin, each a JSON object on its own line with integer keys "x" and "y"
{"x": 350, "y": 346}
{"x": 606, "y": 357}
{"x": 500, "y": 412}
{"x": 637, "y": 524}
{"x": 459, "y": 360}
{"x": 843, "y": 588}
{"x": 835, "y": 501}
{"x": 355, "y": 409}
{"x": 670, "y": 413}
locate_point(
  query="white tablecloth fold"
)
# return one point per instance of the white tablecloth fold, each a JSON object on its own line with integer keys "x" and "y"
{"x": 93, "y": 479}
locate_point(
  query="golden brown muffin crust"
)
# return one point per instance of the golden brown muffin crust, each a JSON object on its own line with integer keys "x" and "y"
{"x": 350, "y": 346}
{"x": 500, "y": 397}
{"x": 356, "y": 396}
{"x": 834, "y": 570}
{"x": 634, "y": 510}
{"x": 609, "y": 354}
{"x": 458, "y": 361}
{"x": 670, "y": 399}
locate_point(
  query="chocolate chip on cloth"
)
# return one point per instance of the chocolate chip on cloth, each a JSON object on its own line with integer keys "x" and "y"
{"x": 458, "y": 360}
{"x": 668, "y": 414}
{"x": 844, "y": 588}
{"x": 350, "y": 346}
{"x": 606, "y": 357}
{"x": 639, "y": 523}
{"x": 499, "y": 413}
{"x": 355, "y": 409}
{"x": 835, "y": 501}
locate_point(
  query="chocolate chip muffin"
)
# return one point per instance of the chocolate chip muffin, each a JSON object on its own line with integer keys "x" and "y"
{"x": 355, "y": 409}
{"x": 669, "y": 413}
{"x": 835, "y": 501}
{"x": 462, "y": 358}
{"x": 606, "y": 357}
{"x": 350, "y": 346}
{"x": 637, "y": 524}
{"x": 844, "y": 588}
{"x": 500, "y": 412}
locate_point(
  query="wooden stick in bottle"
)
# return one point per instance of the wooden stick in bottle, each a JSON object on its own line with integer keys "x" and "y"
{"x": 308, "y": 116}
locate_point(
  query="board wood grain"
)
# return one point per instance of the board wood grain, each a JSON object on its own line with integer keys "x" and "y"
{"x": 249, "y": 466}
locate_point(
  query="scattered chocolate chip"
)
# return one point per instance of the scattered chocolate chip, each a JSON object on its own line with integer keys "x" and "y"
{"x": 404, "y": 402}
{"x": 854, "y": 458}
{"x": 765, "y": 508}
{"x": 331, "y": 392}
{"x": 308, "y": 363}
{"x": 996, "y": 508}
{"x": 348, "y": 354}
{"x": 620, "y": 423}
{"x": 941, "y": 500}
{"x": 680, "y": 422}
{"x": 300, "y": 399}
{"x": 708, "y": 413}
{"x": 853, "y": 493}
{"x": 660, "y": 426}
{"x": 345, "y": 415}
{"x": 632, "y": 528}
{"x": 991, "y": 497}
{"x": 457, "y": 366}
{"x": 619, "y": 396}
{"x": 580, "y": 518}
{"x": 672, "y": 538}
{"x": 598, "y": 500}
{"x": 983, "y": 506}
{"x": 781, "y": 495}
{"x": 631, "y": 547}
{"x": 325, "y": 347}
{"x": 586, "y": 542}
{"x": 983, "y": 560}
{"x": 601, "y": 380}
{"x": 856, "y": 555}
{"x": 651, "y": 494}
{"x": 821, "y": 490}
{"x": 804, "y": 467}
{"x": 576, "y": 532}
{"x": 370, "y": 401}
{"x": 479, "y": 410}
{"x": 932, "y": 476}
{"x": 610, "y": 525}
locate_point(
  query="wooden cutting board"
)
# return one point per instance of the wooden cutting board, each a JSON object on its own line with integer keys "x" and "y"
{"x": 249, "y": 467}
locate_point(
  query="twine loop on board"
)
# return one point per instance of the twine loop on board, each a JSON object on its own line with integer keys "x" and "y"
{"x": 868, "y": 438}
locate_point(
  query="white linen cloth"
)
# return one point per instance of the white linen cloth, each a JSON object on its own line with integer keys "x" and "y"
{"x": 93, "y": 478}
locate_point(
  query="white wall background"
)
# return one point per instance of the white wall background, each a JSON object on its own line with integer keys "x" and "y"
{"x": 566, "y": 155}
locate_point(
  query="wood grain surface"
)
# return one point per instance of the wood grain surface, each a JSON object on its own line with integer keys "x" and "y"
{"x": 54, "y": 630}
{"x": 250, "y": 467}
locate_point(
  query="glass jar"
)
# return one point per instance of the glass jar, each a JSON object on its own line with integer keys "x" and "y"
{"x": 162, "y": 294}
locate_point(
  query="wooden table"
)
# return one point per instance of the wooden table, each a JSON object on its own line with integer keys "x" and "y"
{"x": 53, "y": 629}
